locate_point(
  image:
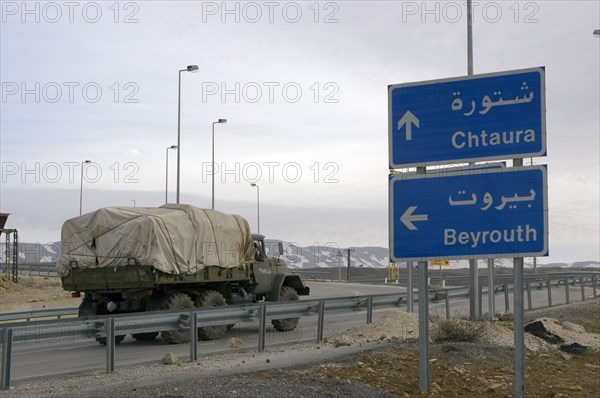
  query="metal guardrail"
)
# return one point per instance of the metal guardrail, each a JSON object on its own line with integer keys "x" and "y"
{"x": 38, "y": 269}
{"x": 435, "y": 295}
{"x": 76, "y": 329}
{"x": 50, "y": 270}
{"x": 27, "y": 315}
{"x": 110, "y": 326}
{"x": 500, "y": 278}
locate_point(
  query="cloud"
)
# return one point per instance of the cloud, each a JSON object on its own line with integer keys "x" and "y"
{"x": 108, "y": 91}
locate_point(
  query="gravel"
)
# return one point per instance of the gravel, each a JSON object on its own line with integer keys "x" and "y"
{"x": 234, "y": 374}
{"x": 277, "y": 371}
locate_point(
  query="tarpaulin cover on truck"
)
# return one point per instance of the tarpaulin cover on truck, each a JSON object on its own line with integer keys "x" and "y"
{"x": 176, "y": 239}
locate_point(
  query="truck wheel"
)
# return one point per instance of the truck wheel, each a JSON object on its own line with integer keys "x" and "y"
{"x": 118, "y": 339}
{"x": 211, "y": 298}
{"x": 285, "y": 325}
{"x": 86, "y": 308}
{"x": 177, "y": 301}
{"x": 145, "y": 336}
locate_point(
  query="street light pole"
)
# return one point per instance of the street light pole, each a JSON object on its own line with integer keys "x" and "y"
{"x": 257, "y": 205}
{"x": 190, "y": 68}
{"x": 220, "y": 121}
{"x": 167, "y": 173}
{"x": 81, "y": 185}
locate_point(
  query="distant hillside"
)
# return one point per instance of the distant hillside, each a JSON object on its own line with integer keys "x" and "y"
{"x": 326, "y": 256}
{"x": 378, "y": 257}
{"x": 302, "y": 256}
{"x": 34, "y": 252}
{"x": 577, "y": 264}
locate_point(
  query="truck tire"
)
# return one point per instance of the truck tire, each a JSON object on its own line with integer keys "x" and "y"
{"x": 285, "y": 325}
{"x": 211, "y": 298}
{"x": 86, "y": 308}
{"x": 118, "y": 339}
{"x": 177, "y": 301}
{"x": 145, "y": 336}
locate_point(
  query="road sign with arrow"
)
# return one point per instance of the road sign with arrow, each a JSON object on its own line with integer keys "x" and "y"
{"x": 484, "y": 213}
{"x": 499, "y": 115}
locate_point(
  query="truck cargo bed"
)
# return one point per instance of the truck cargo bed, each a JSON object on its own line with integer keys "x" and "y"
{"x": 140, "y": 277}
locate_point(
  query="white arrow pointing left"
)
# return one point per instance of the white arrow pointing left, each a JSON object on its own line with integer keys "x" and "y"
{"x": 408, "y": 218}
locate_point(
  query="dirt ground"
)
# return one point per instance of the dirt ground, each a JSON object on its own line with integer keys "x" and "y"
{"x": 466, "y": 370}
{"x": 384, "y": 361}
{"x": 461, "y": 370}
{"x": 34, "y": 292}
{"x": 483, "y": 368}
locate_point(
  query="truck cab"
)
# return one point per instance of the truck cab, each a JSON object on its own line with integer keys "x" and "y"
{"x": 272, "y": 274}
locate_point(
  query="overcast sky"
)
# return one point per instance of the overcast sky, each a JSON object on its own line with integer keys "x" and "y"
{"x": 303, "y": 86}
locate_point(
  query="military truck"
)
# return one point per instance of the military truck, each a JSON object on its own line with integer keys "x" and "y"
{"x": 127, "y": 260}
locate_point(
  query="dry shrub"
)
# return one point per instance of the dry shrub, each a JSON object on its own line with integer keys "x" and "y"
{"x": 592, "y": 323}
{"x": 458, "y": 330}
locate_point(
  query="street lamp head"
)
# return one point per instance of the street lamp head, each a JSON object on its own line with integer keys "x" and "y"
{"x": 192, "y": 68}
{"x": 173, "y": 147}
{"x": 597, "y": 33}
{"x": 223, "y": 121}
{"x": 81, "y": 185}
{"x": 253, "y": 185}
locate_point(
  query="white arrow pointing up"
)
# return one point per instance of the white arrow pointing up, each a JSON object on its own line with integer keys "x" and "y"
{"x": 408, "y": 119}
{"x": 408, "y": 217}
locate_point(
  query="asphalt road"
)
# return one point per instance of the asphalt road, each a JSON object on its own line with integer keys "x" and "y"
{"x": 53, "y": 358}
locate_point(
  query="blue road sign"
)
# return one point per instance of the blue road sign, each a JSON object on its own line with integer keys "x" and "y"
{"x": 482, "y": 117}
{"x": 485, "y": 213}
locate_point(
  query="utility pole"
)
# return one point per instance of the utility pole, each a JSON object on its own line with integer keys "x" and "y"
{"x": 339, "y": 255}
{"x": 473, "y": 271}
{"x": 348, "y": 276}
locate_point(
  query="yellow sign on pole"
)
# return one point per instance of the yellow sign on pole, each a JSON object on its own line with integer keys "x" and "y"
{"x": 441, "y": 263}
{"x": 393, "y": 271}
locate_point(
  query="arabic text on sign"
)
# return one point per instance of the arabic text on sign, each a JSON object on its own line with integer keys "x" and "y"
{"x": 487, "y": 103}
{"x": 488, "y": 200}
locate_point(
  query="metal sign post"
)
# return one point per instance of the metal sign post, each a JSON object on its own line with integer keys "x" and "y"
{"x": 491, "y": 290}
{"x": 473, "y": 289}
{"x": 424, "y": 375}
{"x": 519, "y": 328}
{"x": 409, "y": 287}
{"x": 473, "y": 271}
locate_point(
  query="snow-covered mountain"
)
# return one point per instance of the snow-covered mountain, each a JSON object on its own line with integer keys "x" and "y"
{"x": 330, "y": 256}
{"x": 378, "y": 257}
{"x": 576, "y": 264}
{"x": 304, "y": 256}
{"x": 34, "y": 252}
